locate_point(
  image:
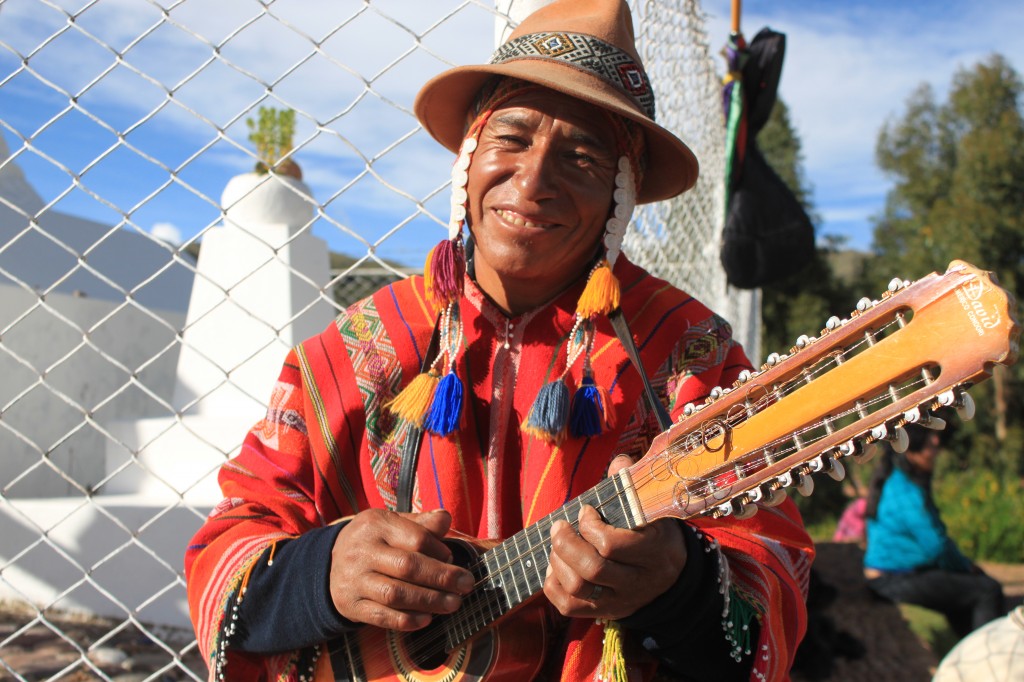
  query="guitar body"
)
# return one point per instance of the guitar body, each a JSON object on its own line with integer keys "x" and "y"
{"x": 509, "y": 651}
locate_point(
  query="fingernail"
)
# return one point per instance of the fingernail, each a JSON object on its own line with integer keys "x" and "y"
{"x": 466, "y": 583}
{"x": 452, "y": 602}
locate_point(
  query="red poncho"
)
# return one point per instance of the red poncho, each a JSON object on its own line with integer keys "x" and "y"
{"x": 327, "y": 450}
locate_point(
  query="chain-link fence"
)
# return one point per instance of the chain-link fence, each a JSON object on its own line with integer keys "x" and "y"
{"x": 134, "y": 361}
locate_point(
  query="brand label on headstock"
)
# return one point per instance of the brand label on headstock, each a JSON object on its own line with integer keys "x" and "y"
{"x": 972, "y": 297}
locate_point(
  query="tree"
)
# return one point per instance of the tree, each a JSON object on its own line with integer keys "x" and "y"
{"x": 958, "y": 169}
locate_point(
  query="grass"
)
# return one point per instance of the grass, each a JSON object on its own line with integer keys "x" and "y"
{"x": 931, "y": 628}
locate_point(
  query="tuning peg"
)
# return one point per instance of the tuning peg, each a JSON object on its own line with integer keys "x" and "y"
{"x": 837, "y": 471}
{"x": 803, "y": 341}
{"x": 897, "y": 437}
{"x": 962, "y": 401}
{"x": 965, "y": 407}
{"x": 925, "y": 419}
{"x": 865, "y": 304}
{"x": 774, "y": 498}
{"x": 896, "y": 284}
{"x": 744, "y": 376}
{"x": 833, "y": 323}
{"x": 734, "y": 508}
{"x": 716, "y": 392}
{"x": 773, "y": 359}
{"x": 806, "y": 485}
{"x": 745, "y": 511}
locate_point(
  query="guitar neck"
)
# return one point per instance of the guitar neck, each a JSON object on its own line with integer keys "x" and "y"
{"x": 860, "y": 381}
{"x": 512, "y": 572}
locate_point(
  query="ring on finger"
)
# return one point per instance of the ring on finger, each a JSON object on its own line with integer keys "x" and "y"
{"x": 595, "y": 593}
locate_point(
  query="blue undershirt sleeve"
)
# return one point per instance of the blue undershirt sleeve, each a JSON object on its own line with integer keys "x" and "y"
{"x": 288, "y": 604}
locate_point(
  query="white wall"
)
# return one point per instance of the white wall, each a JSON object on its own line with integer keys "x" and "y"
{"x": 62, "y": 357}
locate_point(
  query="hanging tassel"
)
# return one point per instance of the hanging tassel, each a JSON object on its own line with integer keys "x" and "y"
{"x": 602, "y": 293}
{"x": 447, "y": 267}
{"x": 549, "y": 416}
{"x": 587, "y": 411}
{"x": 446, "y": 409}
{"x": 736, "y": 623}
{"x": 413, "y": 403}
{"x": 613, "y": 662}
{"x": 428, "y": 273}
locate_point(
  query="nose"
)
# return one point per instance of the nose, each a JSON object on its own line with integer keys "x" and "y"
{"x": 536, "y": 174}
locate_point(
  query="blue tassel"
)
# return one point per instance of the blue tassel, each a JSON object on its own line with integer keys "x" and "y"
{"x": 549, "y": 415}
{"x": 585, "y": 417}
{"x": 446, "y": 410}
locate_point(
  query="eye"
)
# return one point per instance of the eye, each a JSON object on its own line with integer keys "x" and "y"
{"x": 583, "y": 157}
{"x": 512, "y": 140}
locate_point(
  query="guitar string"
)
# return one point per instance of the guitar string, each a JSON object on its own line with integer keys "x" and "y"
{"x": 486, "y": 606}
{"x": 484, "y": 610}
{"x": 490, "y": 602}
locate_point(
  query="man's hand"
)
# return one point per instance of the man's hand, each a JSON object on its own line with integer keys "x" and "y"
{"x": 608, "y": 572}
{"x": 392, "y": 570}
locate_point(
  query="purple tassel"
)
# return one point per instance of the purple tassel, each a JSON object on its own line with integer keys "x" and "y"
{"x": 446, "y": 410}
{"x": 585, "y": 417}
{"x": 549, "y": 415}
{"x": 448, "y": 268}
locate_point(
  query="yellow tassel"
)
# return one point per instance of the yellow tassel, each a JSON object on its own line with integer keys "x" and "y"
{"x": 428, "y": 277}
{"x": 613, "y": 662}
{"x": 602, "y": 293}
{"x": 413, "y": 403}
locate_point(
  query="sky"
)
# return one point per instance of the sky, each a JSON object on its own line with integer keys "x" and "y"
{"x": 127, "y": 114}
{"x": 851, "y": 65}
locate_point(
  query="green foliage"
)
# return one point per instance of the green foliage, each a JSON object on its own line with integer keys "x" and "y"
{"x": 982, "y": 511}
{"x": 272, "y": 133}
{"x": 957, "y": 168}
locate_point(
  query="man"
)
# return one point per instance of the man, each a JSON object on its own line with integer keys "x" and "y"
{"x": 465, "y": 378}
{"x": 910, "y": 557}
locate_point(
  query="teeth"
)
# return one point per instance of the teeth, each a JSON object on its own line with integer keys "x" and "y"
{"x": 517, "y": 219}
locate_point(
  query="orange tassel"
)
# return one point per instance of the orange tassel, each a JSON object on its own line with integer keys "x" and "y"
{"x": 428, "y": 275}
{"x": 602, "y": 294}
{"x": 413, "y": 403}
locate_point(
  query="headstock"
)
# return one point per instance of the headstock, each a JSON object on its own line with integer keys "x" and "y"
{"x": 859, "y": 381}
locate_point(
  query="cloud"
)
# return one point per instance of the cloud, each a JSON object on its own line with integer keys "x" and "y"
{"x": 851, "y": 66}
{"x": 167, "y": 232}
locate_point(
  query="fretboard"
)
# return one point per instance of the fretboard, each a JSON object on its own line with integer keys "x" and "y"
{"x": 512, "y": 572}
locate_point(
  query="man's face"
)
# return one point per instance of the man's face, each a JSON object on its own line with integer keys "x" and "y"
{"x": 540, "y": 190}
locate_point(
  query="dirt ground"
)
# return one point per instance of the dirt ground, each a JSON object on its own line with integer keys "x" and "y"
{"x": 75, "y": 649}
{"x": 892, "y": 652}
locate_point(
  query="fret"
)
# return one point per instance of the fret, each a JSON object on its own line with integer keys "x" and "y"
{"x": 510, "y": 566}
{"x": 620, "y": 497}
{"x": 496, "y": 599}
{"x": 535, "y": 542}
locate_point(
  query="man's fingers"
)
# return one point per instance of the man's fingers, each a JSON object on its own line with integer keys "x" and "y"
{"x": 424, "y": 571}
{"x": 421, "y": 533}
{"x": 408, "y": 597}
{"x": 618, "y": 464}
{"x": 437, "y": 522}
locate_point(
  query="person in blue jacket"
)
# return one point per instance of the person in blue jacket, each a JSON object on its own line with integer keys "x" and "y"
{"x": 910, "y": 558}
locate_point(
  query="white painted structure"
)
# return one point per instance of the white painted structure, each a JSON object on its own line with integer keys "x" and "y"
{"x": 256, "y": 294}
{"x": 104, "y": 476}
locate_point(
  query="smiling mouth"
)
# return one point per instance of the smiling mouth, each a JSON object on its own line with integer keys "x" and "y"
{"x": 518, "y": 220}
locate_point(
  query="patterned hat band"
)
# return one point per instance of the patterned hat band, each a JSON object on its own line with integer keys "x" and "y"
{"x": 587, "y": 53}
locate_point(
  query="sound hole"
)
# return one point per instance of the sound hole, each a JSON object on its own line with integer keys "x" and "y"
{"x": 427, "y": 647}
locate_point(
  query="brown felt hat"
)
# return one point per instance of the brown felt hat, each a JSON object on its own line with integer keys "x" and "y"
{"x": 584, "y": 49}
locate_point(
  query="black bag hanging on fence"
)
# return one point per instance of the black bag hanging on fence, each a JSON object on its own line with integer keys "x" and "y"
{"x": 767, "y": 233}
